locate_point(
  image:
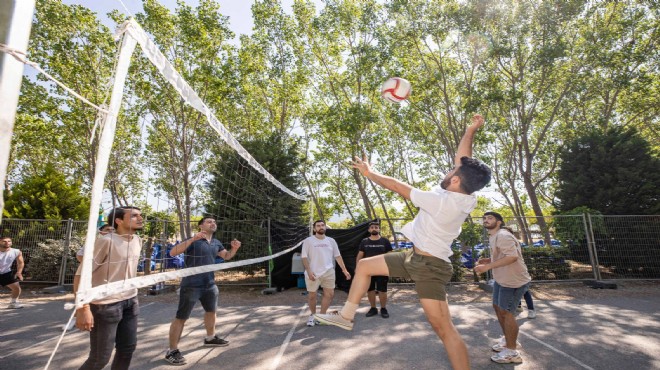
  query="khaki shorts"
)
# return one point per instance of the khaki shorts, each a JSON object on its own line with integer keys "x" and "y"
{"x": 431, "y": 274}
{"x": 327, "y": 280}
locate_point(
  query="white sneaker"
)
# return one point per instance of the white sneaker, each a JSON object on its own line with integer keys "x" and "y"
{"x": 531, "y": 314}
{"x": 15, "y": 305}
{"x": 334, "y": 318}
{"x": 501, "y": 345}
{"x": 70, "y": 326}
{"x": 519, "y": 309}
{"x": 507, "y": 356}
{"x": 310, "y": 321}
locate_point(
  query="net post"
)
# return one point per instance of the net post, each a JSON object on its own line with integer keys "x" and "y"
{"x": 16, "y": 21}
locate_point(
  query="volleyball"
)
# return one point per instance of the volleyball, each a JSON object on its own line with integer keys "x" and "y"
{"x": 395, "y": 89}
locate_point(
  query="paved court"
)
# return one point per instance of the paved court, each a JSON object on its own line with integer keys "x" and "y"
{"x": 622, "y": 333}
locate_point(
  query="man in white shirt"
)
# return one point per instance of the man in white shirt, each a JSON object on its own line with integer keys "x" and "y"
{"x": 319, "y": 253}
{"x": 438, "y": 223}
{"x": 7, "y": 278}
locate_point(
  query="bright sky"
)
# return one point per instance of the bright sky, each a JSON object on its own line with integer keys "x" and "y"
{"x": 238, "y": 11}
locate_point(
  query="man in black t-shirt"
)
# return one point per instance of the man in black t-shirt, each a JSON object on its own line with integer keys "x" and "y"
{"x": 375, "y": 245}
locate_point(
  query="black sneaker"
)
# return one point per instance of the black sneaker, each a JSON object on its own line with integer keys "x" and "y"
{"x": 373, "y": 311}
{"x": 175, "y": 358}
{"x": 215, "y": 342}
{"x": 384, "y": 313}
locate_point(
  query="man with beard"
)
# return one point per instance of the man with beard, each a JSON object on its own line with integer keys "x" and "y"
{"x": 319, "y": 253}
{"x": 112, "y": 321}
{"x": 375, "y": 245}
{"x": 438, "y": 223}
{"x": 200, "y": 250}
{"x": 511, "y": 283}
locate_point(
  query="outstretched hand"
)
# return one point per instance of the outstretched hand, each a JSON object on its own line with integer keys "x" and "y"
{"x": 477, "y": 121}
{"x": 361, "y": 165}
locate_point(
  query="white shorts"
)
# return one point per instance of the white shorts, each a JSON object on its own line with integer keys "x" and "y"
{"x": 327, "y": 280}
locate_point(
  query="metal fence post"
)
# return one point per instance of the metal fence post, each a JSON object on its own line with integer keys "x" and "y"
{"x": 591, "y": 244}
{"x": 65, "y": 252}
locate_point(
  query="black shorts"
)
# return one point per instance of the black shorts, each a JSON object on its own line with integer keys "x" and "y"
{"x": 8, "y": 278}
{"x": 379, "y": 283}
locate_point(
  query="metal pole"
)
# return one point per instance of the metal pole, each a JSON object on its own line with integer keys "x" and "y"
{"x": 270, "y": 261}
{"x": 592, "y": 249}
{"x": 65, "y": 252}
{"x": 15, "y": 25}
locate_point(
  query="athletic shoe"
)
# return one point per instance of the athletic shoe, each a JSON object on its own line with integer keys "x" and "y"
{"x": 507, "y": 356}
{"x": 531, "y": 314}
{"x": 373, "y": 311}
{"x": 501, "y": 344}
{"x": 15, "y": 305}
{"x": 175, "y": 358}
{"x": 215, "y": 342}
{"x": 519, "y": 309}
{"x": 70, "y": 326}
{"x": 384, "y": 313}
{"x": 335, "y": 319}
{"x": 311, "y": 321}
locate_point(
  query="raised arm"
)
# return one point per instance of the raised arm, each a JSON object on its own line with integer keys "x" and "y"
{"x": 387, "y": 182}
{"x": 181, "y": 247}
{"x": 227, "y": 255}
{"x": 465, "y": 146}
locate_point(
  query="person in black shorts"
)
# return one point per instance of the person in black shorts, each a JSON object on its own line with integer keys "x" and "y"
{"x": 375, "y": 245}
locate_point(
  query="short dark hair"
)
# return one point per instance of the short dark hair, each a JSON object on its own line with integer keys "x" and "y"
{"x": 474, "y": 174}
{"x": 372, "y": 223}
{"x": 200, "y": 222}
{"x": 5, "y": 237}
{"x": 103, "y": 227}
{"x": 496, "y": 215}
{"x": 119, "y": 212}
{"x": 316, "y": 222}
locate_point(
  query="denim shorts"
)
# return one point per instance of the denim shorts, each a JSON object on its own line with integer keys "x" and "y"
{"x": 508, "y": 298}
{"x": 188, "y": 296}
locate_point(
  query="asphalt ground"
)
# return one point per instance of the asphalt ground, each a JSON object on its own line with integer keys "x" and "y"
{"x": 605, "y": 333}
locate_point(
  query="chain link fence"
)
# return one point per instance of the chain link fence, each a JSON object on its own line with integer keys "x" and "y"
{"x": 555, "y": 248}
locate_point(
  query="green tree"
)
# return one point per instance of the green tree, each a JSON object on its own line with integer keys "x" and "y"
{"x": 48, "y": 195}
{"x": 52, "y": 127}
{"x": 614, "y": 172}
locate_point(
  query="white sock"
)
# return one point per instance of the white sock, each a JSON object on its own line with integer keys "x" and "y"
{"x": 211, "y": 337}
{"x": 14, "y": 300}
{"x": 348, "y": 311}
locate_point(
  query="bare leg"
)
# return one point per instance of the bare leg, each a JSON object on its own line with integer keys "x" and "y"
{"x": 15, "y": 290}
{"x": 366, "y": 268}
{"x": 371, "y": 295}
{"x": 328, "y": 294}
{"x": 382, "y": 297}
{"x": 437, "y": 313}
{"x": 176, "y": 328}
{"x": 311, "y": 301}
{"x": 209, "y": 323}
{"x": 510, "y": 329}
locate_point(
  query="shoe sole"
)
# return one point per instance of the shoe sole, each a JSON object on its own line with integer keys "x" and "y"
{"x": 215, "y": 345}
{"x": 175, "y": 363}
{"x": 333, "y": 323}
{"x": 517, "y": 360}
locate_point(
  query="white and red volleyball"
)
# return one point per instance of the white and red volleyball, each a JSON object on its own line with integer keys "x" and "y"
{"x": 395, "y": 89}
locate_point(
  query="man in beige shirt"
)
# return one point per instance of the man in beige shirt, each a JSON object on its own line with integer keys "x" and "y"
{"x": 112, "y": 321}
{"x": 511, "y": 283}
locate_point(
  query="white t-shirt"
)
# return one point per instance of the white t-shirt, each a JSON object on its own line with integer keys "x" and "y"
{"x": 439, "y": 220}
{"x": 7, "y": 258}
{"x": 320, "y": 254}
